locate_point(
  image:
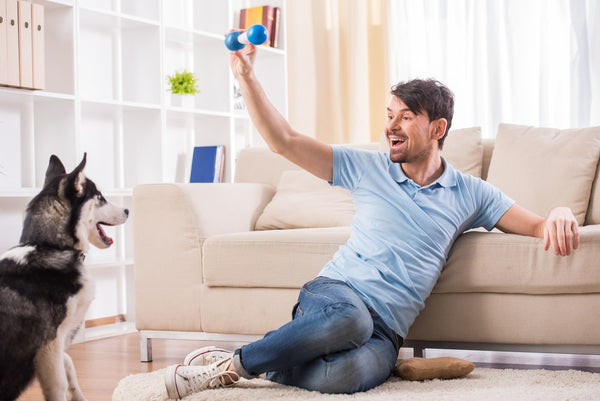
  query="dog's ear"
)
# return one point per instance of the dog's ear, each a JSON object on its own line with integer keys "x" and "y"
{"x": 55, "y": 169}
{"x": 76, "y": 179}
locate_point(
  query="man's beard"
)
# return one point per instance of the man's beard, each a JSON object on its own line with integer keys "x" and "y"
{"x": 403, "y": 157}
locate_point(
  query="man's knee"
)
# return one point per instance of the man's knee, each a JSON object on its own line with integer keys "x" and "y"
{"x": 351, "y": 322}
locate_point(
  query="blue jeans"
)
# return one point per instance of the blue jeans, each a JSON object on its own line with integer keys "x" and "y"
{"x": 334, "y": 344}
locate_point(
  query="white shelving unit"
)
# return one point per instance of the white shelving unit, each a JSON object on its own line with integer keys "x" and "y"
{"x": 106, "y": 94}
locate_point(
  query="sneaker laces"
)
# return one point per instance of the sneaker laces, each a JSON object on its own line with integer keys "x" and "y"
{"x": 212, "y": 357}
{"x": 219, "y": 381}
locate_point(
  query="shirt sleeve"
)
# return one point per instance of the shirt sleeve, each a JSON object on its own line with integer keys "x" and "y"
{"x": 348, "y": 165}
{"x": 493, "y": 203}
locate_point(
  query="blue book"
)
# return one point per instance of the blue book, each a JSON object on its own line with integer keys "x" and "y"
{"x": 207, "y": 164}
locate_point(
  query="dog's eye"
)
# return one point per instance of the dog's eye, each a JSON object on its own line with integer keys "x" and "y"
{"x": 100, "y": 197}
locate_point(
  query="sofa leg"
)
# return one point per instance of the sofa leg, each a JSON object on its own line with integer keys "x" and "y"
{"x": 418, "y": 352}
{"x": 145, "y": 348}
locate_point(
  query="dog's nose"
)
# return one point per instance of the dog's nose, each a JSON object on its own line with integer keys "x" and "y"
{"x": 126, "y": 212}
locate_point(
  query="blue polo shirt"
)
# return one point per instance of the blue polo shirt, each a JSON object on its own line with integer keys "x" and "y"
{"x": 402, "y": 232}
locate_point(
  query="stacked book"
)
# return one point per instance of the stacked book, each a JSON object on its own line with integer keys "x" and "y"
{"x": 263, "y": 15}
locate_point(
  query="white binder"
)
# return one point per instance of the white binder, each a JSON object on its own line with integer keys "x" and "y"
{"x": 12, "y": 43}
{"x": 25, "y": 51}
{"x": 37, "y": 43}
{"x": 3, "y": 49}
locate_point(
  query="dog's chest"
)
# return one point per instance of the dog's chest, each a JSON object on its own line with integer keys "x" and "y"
{"x": 77, "y": 305}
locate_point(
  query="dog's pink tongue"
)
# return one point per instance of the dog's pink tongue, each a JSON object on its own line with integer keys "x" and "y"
{"x": 105, "y": 238}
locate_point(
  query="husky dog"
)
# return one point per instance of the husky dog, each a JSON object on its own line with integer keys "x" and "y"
{"x": 44, "y": 288}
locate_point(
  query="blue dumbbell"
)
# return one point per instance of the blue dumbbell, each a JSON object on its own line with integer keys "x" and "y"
{"x": 256, "y": 34}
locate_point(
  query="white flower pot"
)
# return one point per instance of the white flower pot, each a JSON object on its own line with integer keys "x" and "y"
{"x": 182, "y": 100}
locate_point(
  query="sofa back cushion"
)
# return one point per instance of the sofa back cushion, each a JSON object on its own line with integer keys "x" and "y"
{"x": 258, "y": 164}
{"x": 304, "y": 201}
{"x": 593, "y": 214}
{"x": 488, "y": 149}
{"x": 463, "y": 148}
{"x": 541, "y": 168}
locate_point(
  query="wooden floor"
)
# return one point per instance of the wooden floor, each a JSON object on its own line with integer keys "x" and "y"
{"x": 102, "y": 363}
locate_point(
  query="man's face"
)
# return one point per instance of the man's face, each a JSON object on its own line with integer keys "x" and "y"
{"x": 408, "y": 134}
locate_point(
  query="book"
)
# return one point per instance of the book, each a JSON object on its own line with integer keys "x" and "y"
{"x": 238, "y": 100}
{"x": 275, "y": 28}
{"x": 264, "y": 15}
{"x": 208, "y": 163}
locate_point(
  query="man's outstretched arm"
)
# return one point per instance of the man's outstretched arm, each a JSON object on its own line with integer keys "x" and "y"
{"x": 559, "y": 229}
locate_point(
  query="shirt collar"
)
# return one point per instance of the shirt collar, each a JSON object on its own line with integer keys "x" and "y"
{"x": 447, "y": 179}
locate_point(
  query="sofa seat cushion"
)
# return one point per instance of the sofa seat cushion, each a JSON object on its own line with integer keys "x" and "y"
{"x": 505, "y": 263}
{"x": 269, "y": 259}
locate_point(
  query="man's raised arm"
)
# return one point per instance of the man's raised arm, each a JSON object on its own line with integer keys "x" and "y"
{"x": 310, "y": 154}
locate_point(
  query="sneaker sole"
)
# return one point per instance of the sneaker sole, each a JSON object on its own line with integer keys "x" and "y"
{"x": 194, "y": 355}
{"x": 171, "y": 382}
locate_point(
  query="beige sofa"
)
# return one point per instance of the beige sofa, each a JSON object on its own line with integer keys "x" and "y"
{"x": 226, "y": 261}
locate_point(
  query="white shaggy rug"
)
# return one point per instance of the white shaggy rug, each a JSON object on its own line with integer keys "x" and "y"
{"x": 481, "y": 385}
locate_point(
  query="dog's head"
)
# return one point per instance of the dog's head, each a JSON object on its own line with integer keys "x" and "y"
{"x": 70, "y": 211}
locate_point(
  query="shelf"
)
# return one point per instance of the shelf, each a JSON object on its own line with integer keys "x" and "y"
{"x": 200, "y": 15}
{"x": 117, "y": 264}
{"x": 60, "y": 49}
{"x": 51, "y": 4}
{"x": 143, "y": 10}
{"x": 19, "y": 193}
{"x": 119, "y": 58}
{"x": 106, "y": 68}
{"x": 178, "y": 34}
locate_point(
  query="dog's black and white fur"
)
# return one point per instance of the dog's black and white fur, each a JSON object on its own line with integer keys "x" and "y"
{"x": 44, "y": 289}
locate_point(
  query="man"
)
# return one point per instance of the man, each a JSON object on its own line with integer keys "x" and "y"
{"x": 350, "y": 321}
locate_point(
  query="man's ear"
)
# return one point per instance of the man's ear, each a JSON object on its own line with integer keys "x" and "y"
{"x": 438, "y": 128}
{"x": 55, "y": 169}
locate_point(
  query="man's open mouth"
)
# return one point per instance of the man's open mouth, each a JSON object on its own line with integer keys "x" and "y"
{"x": 397, "y": 141}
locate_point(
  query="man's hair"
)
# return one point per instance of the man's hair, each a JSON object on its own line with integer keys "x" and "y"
{"x": 429, "y": 95}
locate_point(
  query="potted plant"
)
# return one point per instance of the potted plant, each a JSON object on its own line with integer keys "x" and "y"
{"x": 183, "y": 85}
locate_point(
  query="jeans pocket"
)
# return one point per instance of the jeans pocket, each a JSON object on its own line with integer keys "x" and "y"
{"x": 297, "y": 311}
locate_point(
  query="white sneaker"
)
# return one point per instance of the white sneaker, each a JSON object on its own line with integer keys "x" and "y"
{"x": 206, "y": 356}
{"x": 182, "y": 380}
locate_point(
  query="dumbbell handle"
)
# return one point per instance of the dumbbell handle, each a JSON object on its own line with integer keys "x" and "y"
{"x": 243, "y": 38}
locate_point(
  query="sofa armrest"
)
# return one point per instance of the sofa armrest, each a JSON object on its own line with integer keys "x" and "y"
{"x": 170, "y": 224}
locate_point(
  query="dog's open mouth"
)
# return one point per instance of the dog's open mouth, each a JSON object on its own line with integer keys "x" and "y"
{"x": 105, "y": 238}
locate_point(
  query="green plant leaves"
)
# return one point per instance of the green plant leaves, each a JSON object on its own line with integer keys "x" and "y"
{"x": 183, "y": 83}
